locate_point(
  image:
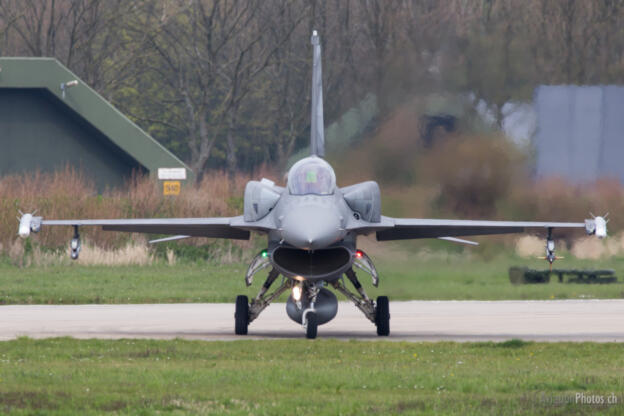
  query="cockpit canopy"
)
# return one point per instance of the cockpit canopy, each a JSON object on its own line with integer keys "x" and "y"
{"x": 311, "y": 175}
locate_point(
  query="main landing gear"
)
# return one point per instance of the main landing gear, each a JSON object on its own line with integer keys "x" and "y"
{"x": 382, "y": 316}
{"x": 314, "y": 306}
{"x": 377, "y": 312}
{"x": 246, "y": 312}
{"x": 311, "y": 304}
{"x": 241, "y": 316}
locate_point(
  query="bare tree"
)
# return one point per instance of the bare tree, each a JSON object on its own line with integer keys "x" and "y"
{"x": 85, "y": 35}
{"x": 211, "y": 54}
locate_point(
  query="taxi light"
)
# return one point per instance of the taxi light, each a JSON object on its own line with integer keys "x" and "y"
{"x": 296, "y": 293}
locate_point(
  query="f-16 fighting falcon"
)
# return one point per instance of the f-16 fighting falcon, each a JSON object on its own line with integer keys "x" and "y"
{"x": 312, "y": 228}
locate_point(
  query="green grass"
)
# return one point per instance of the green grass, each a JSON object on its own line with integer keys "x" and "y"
{"x": 120, "y": 284}
{"x": 459, "y": 277}
{"x": 66, "y": 376}
{"x": 439, "y": 276}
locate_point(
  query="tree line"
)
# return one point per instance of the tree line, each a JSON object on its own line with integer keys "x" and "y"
{"x": 225, "y": 83}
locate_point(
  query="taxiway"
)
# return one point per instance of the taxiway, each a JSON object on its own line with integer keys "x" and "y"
{"x": 558, "y": 320}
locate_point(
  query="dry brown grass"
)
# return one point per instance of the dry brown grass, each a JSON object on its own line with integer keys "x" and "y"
{"x": 134, "y": 253}
{"x": 530, "y": 246}
{"x": 587, "y": 247}
{"x": 593, "y": 249}
{"x": 67, "y": 194}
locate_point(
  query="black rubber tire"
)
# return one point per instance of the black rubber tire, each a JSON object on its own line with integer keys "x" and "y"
{"x": 241, "y": 316}
{"x": 312, "y": 325}
{"x": 382, "y": 316}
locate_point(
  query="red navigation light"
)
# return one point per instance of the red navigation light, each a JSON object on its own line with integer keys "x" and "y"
{"x": 359, "y": 254}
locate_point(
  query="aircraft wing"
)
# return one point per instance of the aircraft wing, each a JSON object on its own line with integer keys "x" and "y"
{"x": 412, "y": 228}
{"x": 221, "y": 227}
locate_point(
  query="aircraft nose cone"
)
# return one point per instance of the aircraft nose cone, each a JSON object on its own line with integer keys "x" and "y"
{"x": 311, "y": 227}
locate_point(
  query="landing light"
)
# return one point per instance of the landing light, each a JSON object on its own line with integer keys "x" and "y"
{"x": 296, "y": 293}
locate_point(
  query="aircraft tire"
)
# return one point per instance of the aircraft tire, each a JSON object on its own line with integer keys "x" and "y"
{"x": 312, "y": 325}
{"x": 241, "y": 316}
{"x": 382, "y": 316}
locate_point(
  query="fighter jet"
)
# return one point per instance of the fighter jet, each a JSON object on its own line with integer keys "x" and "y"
{"x": 312, "y": 228}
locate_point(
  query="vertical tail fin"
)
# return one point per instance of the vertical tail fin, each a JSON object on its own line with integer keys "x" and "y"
{"x": 317, "y": 130}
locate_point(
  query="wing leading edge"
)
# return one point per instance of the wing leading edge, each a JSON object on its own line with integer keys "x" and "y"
{"x": 194, "y": 227}
{"x": 413, "y": 228}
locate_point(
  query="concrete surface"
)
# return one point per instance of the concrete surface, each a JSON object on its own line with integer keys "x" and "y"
{"x": 559, "y": 320}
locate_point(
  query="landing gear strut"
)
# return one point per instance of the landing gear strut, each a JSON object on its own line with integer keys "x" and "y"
{"x": 247, "y": 312}
{"x": 309, "y": 318}
{"x": 377, "y": 312}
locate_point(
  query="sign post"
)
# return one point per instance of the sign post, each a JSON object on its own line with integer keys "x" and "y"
{"x": 171, "y": 178}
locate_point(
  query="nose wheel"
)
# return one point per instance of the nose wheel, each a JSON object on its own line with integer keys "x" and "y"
{"x": 311, "y": 325}
{"x": 241, "y": 315}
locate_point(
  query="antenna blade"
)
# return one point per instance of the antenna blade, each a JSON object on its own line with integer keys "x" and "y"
{"x": 317, "y": 129}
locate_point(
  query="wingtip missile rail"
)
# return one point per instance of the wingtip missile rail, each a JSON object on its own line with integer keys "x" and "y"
{"x": 597, "y": 226}
{"x": 28, "y": 223}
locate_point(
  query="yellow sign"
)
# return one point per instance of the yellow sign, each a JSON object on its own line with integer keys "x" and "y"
{"x": 171, "y": 188}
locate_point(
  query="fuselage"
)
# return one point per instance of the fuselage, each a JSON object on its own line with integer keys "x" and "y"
{"x": 308, "y": 219}
{"x": 310, "y": 241}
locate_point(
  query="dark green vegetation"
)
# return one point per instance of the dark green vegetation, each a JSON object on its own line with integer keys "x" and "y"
{"x": 439, "y": 276}
{"x": 65, "y": 376}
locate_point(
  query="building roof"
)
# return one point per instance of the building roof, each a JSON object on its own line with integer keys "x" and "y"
{"x": 48, "y": 73}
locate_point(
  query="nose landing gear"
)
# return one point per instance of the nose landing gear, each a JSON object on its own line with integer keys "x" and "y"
{"x": 310, "y": 323}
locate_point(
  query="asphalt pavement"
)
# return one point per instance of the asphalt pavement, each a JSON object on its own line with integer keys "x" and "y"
{"x": 556, "y": 320}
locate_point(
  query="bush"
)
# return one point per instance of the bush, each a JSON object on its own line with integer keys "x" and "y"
{"x": 473, "y": 173}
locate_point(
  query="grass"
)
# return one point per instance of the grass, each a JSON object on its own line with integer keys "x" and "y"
{"x": 439, "y": 276}
{"x": 121, "y": 284}
{"x": 459, "y": 277}
{"x": 66, "y": 376}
